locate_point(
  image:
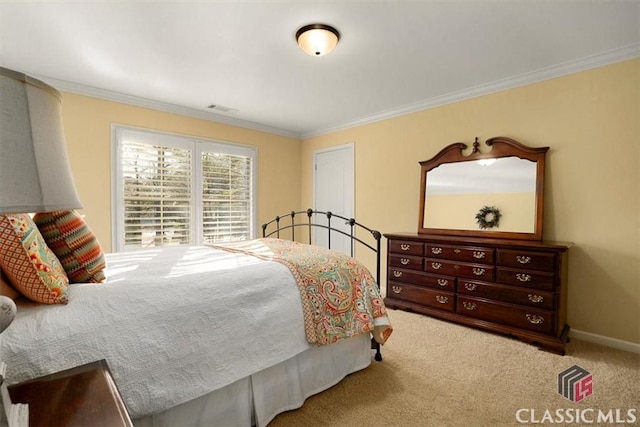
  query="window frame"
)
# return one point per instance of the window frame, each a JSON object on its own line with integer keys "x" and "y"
{"x": 197, "y": 146}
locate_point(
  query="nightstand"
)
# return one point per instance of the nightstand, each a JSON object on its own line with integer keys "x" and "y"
{"x": 82, "y": 396}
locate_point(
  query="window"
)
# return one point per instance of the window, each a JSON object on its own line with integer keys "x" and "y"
{"x": 175, "y": 190}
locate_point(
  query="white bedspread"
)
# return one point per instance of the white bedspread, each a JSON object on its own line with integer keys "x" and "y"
{"x": 173, "y": 323}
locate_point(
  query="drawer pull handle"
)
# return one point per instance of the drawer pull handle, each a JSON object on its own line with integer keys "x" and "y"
{"x": 397, "y": 273}
{"x": 404, "y": 261}
{"x": 396, "y": 289}
{"x": 523, "y": 277}
{"x": 456, "y": 250}
{"x": 536, "y": 298}
{"x": 436, "y": 265}
{"x": 442, "y": 299}
{"x": 470, "y": 286}
{"x": 523, "y": 259}
{"x": 443, "y": 282}
{"x": 478, "y": 271}
{"x": 478, "y": 254}
{"x": 536, "y": 320}
{"x": 469, "y": 305}
{"x": 436, "y": 251}
{"x": 405, "y": 247}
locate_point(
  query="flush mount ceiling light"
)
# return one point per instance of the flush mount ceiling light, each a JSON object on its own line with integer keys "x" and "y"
{"x": 317, "y": 39}
{"x": 486, "y": 162}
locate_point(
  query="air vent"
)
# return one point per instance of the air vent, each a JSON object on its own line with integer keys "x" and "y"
{"x": 222, "y": 109}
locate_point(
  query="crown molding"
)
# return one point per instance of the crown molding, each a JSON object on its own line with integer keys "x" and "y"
{"x": 582, "y": 64}
{"x": 94, "y": 92}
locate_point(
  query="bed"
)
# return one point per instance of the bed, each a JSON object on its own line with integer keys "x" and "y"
{"x": 215, "y": 334}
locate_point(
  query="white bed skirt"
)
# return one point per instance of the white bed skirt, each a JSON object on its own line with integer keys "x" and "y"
{"x": 257, "y": 399}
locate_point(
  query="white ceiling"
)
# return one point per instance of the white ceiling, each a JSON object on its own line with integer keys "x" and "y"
{"x": 393, "y": 57}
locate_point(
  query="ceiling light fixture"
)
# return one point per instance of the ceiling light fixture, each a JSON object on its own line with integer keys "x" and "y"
{"x": 317, "y": 39}
{"x": 486, "y": 162}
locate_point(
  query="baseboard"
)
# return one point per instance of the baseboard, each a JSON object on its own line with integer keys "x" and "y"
{"x": 607, "y": 341}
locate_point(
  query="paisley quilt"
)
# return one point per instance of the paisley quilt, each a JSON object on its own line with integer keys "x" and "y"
{"x": 339, "y": 295}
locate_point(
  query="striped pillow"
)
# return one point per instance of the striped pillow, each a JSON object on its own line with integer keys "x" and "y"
{"x": 30, "y": 265}
{"x": 77, "y": 248}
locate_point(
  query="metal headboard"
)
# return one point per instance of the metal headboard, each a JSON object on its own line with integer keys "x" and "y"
{"x": 354, "y": 226}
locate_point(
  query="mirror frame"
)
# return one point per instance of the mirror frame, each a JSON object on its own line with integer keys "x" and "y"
{"x": 500, "y": 147}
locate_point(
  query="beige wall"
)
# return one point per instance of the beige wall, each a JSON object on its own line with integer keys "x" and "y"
{"x": 87, "y": 123}
{"x": 458, "y": 211}
{"x": 591, "y": 122}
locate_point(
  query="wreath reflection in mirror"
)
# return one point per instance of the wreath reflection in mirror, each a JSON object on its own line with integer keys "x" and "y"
{"x": 488, "y": 217}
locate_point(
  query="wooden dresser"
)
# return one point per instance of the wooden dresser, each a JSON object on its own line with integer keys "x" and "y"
{"x": 513, "y": 287}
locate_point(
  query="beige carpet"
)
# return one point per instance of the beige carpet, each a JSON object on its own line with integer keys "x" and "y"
{"x": 436, "y": 373}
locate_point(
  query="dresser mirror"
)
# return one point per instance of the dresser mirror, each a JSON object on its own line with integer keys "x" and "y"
{"x": 495, "y": 191}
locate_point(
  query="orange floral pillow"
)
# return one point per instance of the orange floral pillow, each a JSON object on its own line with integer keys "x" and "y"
{"x": 31, "y": 267}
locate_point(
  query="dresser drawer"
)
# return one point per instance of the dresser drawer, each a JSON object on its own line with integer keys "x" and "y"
{"x": 459, "y": 269}
{"x": 544, "y": 261}
{"x": 424, "y": 296}
{"x": 528, "y": 278}
{"x": 530, "y": 297}
{"x": 406, "y": 247}
{"x": 507, "y": 314}
{"x": 406, "y": 261}
{"x": 423, "y": 279}
{"x": 460, "y": 253}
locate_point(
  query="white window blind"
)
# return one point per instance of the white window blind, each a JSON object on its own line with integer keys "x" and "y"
{"x": 226, "y": 197}
{"x": 173, "y": 190}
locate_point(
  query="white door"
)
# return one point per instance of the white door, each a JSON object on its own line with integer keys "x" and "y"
{"x": 334, "y": 184}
